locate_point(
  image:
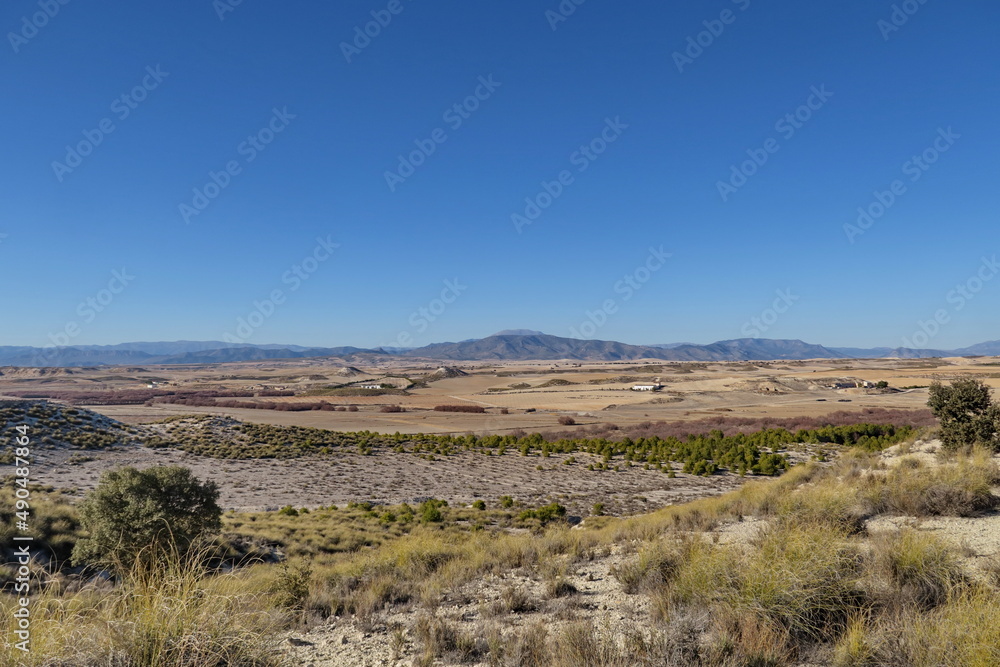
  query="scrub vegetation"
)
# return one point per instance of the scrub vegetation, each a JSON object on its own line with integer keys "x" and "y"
{"x": 784, "y": 570}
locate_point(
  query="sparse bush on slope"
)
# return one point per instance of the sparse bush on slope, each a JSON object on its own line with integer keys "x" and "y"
{"x": 133, "y": 513}
{"x": 967, "y": 413}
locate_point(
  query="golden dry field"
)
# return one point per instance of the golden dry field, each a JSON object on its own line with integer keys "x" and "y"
{"x": 534, "y": 394}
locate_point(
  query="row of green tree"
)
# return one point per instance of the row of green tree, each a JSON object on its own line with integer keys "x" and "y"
{"x": 758, "y": 453}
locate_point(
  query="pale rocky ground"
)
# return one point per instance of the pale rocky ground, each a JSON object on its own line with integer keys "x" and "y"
{"x": 388, "y": 642}
{"x": 599, "y": 599}
{"x": 392, "y": 478}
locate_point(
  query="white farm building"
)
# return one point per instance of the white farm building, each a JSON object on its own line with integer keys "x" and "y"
{"x": 653, "y": 386}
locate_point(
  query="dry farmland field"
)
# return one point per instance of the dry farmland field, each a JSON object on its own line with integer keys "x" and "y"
{"x": 534, "y": 394}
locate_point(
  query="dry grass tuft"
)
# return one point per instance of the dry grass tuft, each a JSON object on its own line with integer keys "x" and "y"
{"x": 654, "y": 566}
{"x": 170, "y": 615}
{"x": 440, "y": 638}
{"x": 958, "y": 488}
{"x": 922, "y": 571}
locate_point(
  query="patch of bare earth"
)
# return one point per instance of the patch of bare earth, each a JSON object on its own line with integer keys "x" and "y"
{"x": 390, "y": 478}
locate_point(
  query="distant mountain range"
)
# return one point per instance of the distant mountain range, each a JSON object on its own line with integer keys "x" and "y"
{"x": 513, "y": 345}
{"x": 181, "y": 352}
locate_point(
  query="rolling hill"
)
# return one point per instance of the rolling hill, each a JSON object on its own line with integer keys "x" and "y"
{"x": 543, "y": 346}
{"x": 509, "y": 345}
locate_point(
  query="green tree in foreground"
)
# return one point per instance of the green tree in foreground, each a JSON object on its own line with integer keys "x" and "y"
{"x": 967, "y": 414}
{"x": 152, "y": 511}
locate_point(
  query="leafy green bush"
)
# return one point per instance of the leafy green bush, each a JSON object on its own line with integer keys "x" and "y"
{"x": 544, "y": 514}
{"x": 134, "y": 512}
{"x": 292, "y": 586}
{"x": 967, "y": 413}
{"x": 430, "y": 511}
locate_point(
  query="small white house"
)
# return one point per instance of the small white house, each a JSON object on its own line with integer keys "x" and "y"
{"x": 653, "y": 386}
{"x": 647, "y": 387}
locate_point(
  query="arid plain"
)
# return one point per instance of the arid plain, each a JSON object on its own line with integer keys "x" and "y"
{"x": 319, "y": 467}
{"x": 535, "y": 394}
{"x": 516, "y": 398}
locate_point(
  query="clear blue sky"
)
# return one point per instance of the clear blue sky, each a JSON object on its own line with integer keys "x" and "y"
{"x": 607, "y": 65}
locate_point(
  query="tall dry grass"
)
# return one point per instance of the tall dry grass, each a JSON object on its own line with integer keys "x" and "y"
{"x": 173, "y": 614}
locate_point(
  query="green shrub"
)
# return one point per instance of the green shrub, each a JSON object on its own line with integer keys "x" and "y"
{"x": 550, "y": 512}
{"x": 363, "y": 506}
{"x": 967, "y": 413}
{"x": 133, "y": 512}
{"x": 292, "y": 586}
{"x": 544, "y": 514}
{"x": 430, "y": 511}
